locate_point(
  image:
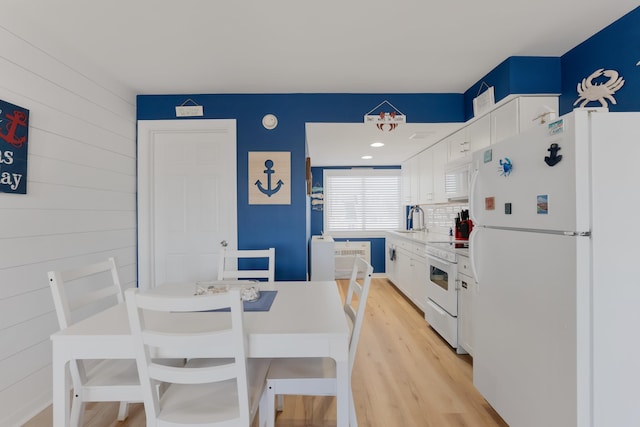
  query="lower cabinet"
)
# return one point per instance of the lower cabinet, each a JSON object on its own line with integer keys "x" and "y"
{"x": 391, "y": 260}
{"x": 409, "y": 270}
{"x": 467, "y": 289}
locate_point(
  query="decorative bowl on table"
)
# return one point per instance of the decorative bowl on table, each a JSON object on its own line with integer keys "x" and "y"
{"x": 248, "y": 293}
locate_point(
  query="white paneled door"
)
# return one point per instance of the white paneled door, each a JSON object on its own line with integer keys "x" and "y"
{"x": 186, "y": 198}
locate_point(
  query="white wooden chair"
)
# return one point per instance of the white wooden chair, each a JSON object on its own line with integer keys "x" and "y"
{"x": 228, "y": 264}
{"x": 218, "y": 386}
{"x": 317, "y": 376}
{"x": 78, "y": 293}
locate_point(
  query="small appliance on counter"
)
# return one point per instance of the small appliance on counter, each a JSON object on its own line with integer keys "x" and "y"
{"x": 463, "y": 225}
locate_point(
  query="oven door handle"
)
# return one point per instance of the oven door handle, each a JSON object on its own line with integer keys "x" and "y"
{"x": 439, "y": 262}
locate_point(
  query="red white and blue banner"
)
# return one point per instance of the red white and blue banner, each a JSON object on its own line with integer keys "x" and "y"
{"x": 14, "y": 135}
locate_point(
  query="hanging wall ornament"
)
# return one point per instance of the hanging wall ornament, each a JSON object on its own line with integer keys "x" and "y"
{"x": 591, "y": 91}
{"x": 385, "y": 120}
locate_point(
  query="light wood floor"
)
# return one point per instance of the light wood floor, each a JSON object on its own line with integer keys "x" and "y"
{"x": 405, "y": 375}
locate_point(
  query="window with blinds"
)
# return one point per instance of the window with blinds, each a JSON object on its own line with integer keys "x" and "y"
{"x": 362, "y": 200}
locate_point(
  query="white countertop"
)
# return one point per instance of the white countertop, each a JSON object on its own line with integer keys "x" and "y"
{"x": 425, "y": 237}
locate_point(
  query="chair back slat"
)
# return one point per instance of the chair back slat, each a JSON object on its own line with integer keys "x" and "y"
{"x": 228, "y": 267}
{"x": 361, "y": 268}
{"x": 79, "y": 293}
{"x": 92, "y": 297}
{"x": 74, "y": 289}
{"x": 215, "y": 356}
{"x": 198, "y": 344}
{"x": 176, "y": 375}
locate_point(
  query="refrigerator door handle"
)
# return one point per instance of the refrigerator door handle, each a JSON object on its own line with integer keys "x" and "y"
{"x": 472, "y": 256}
{"x": 472, "y": 195}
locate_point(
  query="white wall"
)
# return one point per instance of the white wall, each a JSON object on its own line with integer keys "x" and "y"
{"x": 79, "y": 207}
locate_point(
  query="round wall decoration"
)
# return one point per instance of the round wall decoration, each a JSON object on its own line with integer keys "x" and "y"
{"x": 269, "y": 121}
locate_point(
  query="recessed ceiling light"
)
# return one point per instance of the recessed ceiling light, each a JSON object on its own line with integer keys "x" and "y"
{"x": 366, "y": 157}
{"x": 377, "y": 144}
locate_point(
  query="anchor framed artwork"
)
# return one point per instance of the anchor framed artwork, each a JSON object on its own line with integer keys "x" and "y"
{"x": 269, "y": 178}
{"x": 14, "y": 134}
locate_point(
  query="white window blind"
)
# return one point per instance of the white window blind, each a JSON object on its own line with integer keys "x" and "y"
{"x": 362, "y": 200}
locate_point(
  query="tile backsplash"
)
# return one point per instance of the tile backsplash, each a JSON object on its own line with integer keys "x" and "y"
{"x": 439, "y": 218}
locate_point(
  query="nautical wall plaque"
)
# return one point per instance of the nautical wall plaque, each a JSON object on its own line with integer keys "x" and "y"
{"x": 589, "y": 89}
{"x": 14, "y": 135}
{"x": 269, "y": 178}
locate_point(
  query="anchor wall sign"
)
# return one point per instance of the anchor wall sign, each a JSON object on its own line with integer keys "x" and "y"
{"x": 269, "y": 178}
{"x": 14, "y": 135}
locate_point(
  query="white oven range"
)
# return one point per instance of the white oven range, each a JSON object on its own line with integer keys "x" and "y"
{"x": 441, "y": 309}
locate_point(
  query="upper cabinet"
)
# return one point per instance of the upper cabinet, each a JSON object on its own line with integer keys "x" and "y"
{"x": 519, "y": 115}
{"x": 424, "y": 174}
{"x": 410, "y": 181}
{"x": 425, "y": 163}
{"x": 478, "y": 134}
{"x": 440, "y": 158}
{"x": 457, "y": 144}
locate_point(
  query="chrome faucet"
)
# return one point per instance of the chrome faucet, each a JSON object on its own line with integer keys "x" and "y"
{"x": 416, "y": 209}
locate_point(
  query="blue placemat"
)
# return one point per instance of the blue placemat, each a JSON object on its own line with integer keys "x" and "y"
{"x": 261, "y": 304}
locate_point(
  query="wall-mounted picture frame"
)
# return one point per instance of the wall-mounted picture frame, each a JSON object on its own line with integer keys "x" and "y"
{"x": 14, "y": 138}
{"x": 309, "y": 175}
{"x": 269, "y": 178}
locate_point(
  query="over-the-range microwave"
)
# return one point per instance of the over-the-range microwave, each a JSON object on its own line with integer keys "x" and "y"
{"x": 456, "y": 179}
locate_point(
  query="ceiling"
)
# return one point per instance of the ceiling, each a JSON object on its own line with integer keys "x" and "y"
{"x": 295, "y": 46}
{"x": 344, "y": 144}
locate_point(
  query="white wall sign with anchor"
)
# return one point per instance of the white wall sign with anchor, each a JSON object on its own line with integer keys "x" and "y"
{"x": 269, "y": 178}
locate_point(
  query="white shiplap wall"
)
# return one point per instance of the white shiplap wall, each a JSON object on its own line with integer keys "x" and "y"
{"x": 79, "y": 207}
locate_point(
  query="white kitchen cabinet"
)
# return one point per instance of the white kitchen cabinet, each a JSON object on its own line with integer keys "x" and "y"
{"x": 410, "y": 180}
{"x": 425, "y": 165}
{"x": 458, "y": 144}
{"x": 403, "y": 271}
{"x": 390, "y": 259}
{"x": 440, "y": 153}
{"x": 474, "y": 136}
{"x": 409, "y": 270}
{"x": 504, "y": 121}
{"x": 423, "y": 180}
{"x": 479, "y": 134}
{"x": 418, "y": 283}
{"x": 467, "y": 289}
{"x": 511, "y": 118}
{"x": 519, "y": 115}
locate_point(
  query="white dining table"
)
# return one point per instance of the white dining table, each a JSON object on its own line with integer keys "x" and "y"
{"x": 306, "y": 319}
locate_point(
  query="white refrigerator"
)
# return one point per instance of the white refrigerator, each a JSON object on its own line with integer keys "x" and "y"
{"x": 554, "y": 251}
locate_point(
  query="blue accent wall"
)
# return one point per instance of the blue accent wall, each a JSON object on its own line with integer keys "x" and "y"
{"x": 517, "y": 75}
{"x": 317, "y": 221}
{"x": 616, "y": 47}
{"x": 287, "y": 227}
